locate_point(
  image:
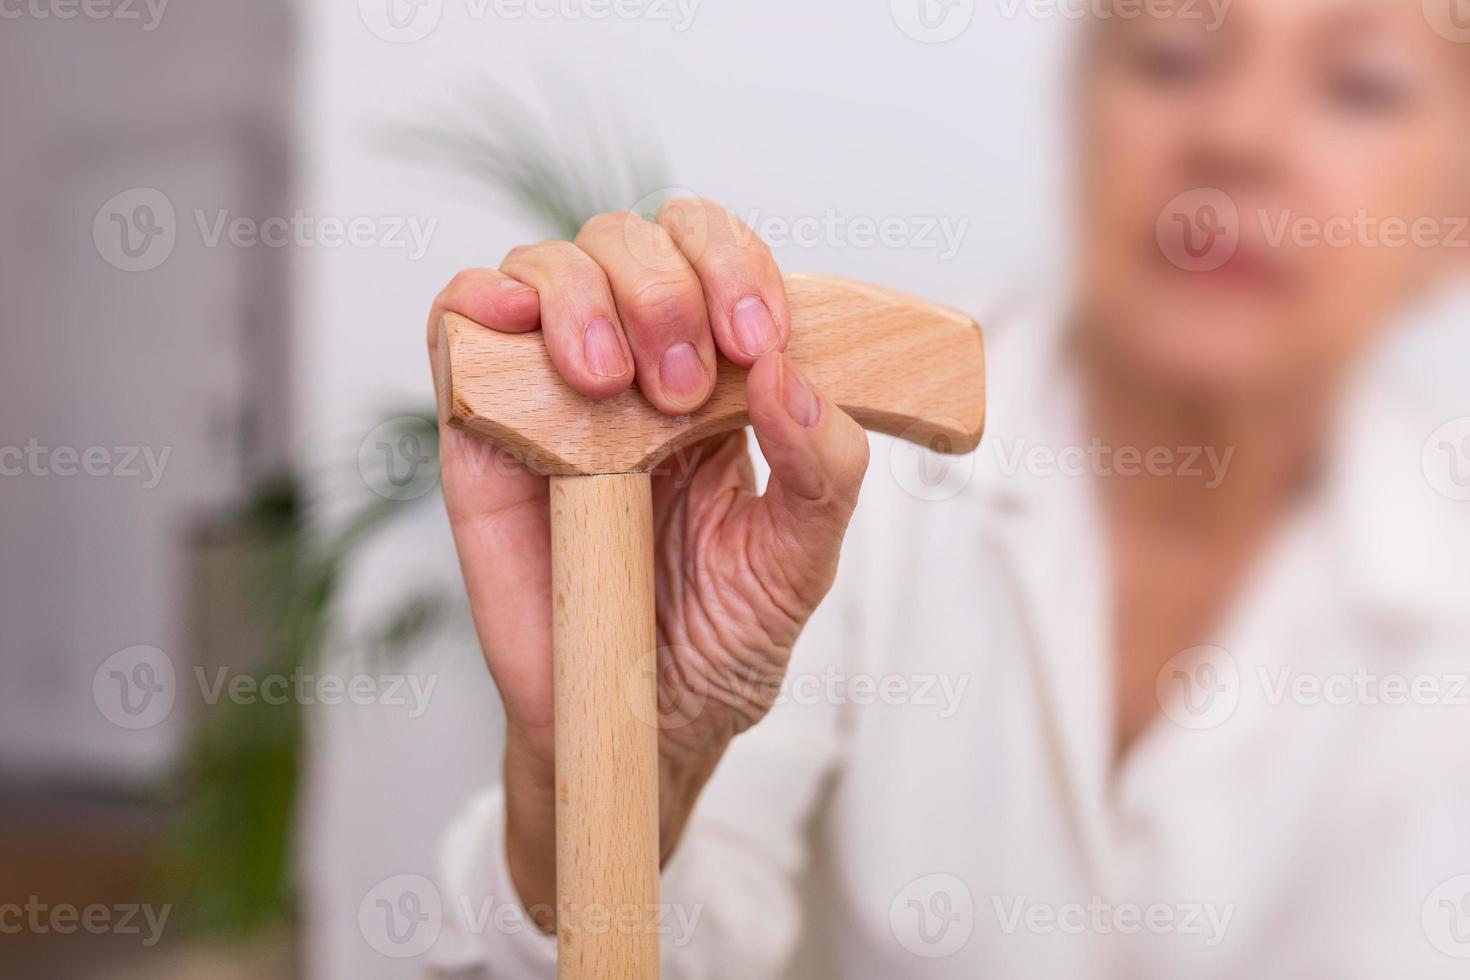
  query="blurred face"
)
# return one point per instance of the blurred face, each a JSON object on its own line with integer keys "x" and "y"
{"x": 1262, "y": 191}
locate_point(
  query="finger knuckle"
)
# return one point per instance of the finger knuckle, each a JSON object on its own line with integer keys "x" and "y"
{"x": 709, "y": 225}
{"x": 600, "y": 224}
{"x": 653, "y": 246}
{"x": 549, "y": 251}
{"x": 733, "y": 267}
{"x": 686, "y": 215}
{"x": 686, "y": 207}
{"x": 661, "y": 301}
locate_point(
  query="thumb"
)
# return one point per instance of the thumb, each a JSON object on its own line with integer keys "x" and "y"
{"x": 818, "y": 456}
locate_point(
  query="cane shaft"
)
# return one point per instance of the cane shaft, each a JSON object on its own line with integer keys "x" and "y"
{"x": 607, "y": 835}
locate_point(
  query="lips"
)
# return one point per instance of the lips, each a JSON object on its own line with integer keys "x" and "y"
{"x": 1246, "y": 267}
{"x": 1250, "y": 267}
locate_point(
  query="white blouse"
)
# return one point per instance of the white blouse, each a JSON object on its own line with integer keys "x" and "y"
{"x": 935, "y": 794}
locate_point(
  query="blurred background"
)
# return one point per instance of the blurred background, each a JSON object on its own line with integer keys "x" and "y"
{"x": 224, "y": 223}
{"x": 237, "y": 684}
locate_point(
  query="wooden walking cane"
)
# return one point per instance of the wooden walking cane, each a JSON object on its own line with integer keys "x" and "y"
{"x": 895, "y": 364}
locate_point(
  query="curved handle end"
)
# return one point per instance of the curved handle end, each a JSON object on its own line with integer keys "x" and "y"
{"x": 898, "y": 365}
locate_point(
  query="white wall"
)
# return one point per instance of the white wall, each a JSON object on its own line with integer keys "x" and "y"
{"x": 181, "y": 360}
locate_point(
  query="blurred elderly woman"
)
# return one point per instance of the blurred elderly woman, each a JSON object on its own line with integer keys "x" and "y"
{"x": 1168, "y": 680}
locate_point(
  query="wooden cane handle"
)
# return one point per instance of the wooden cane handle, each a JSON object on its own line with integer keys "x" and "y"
{"x": 894, "y": 363}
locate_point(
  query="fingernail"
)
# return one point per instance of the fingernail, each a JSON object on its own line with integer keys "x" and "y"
{"x": 603, "y": 351}
{"x": 800, "y": 400}
{"x": 513, "y": 286}
{"x": 681, "y": 373}
{"x": 755, "y": 328}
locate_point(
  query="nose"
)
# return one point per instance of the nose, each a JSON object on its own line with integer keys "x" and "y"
{"x": 1239, "y": 139}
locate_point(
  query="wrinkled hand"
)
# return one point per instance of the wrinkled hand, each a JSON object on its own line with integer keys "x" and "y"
{"x": 737, "y": 574}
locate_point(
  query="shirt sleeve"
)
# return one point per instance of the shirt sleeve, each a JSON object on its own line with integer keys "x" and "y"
{"x": 484, "y": 928}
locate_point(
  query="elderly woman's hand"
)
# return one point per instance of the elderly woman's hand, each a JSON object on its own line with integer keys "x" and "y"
{"x": 737, "y": 575}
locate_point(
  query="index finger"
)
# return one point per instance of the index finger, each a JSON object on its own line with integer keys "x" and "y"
{"x": 488, "y": 297}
